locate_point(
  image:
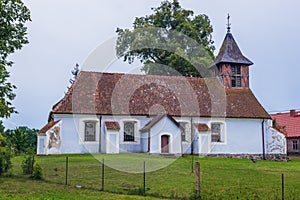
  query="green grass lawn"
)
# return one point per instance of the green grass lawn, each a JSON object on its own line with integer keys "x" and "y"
{"x": 166, "y": 178}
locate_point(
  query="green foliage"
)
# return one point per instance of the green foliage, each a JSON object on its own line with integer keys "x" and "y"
{"x": 13, "y": 16}
{"x": 170, "y": 41}
{"x": 278, "y": 127}
{"x": 5, "y": 161}
{"x": 23, "y": 140}
{"x": 5, "y": 152}
{"x": 37, "y": 172}
{"x": 2, "y": 150}
{"x": 27, "y": 164}
{"x": 6, "y": 94}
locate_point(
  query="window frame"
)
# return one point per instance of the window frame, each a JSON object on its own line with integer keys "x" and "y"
{"x": 295, "y": 145}
{"x": 236, "y": 76}
{"x": 81, "y": 129}
{"x": 183, "y": 131}
{"x": 222, "y": 134}
{"x": 94, "y": 139}
{"x": 133, "y": 135}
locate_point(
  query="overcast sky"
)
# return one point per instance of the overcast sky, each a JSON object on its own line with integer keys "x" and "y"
{"x": 64, "y": 32}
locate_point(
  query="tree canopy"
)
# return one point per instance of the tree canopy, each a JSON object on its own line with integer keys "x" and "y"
{"x": 22, "y": 140}
{"x": 13, "y": 16}
{"x": 170, "y": 41}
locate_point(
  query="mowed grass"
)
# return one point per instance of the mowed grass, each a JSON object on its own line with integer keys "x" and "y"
{"x": 166, "y": 178}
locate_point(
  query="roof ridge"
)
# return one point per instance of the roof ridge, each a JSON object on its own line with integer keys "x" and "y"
{"x": 149, "y": 75}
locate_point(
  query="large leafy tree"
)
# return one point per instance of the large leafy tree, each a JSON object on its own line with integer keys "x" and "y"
{"x": 13, "y": 16}
{"x": 22, "y": 140}
{"x": 172, "y": 40}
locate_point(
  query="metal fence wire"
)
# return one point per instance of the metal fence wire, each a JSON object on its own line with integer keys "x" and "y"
{"x": 221, "y": 181}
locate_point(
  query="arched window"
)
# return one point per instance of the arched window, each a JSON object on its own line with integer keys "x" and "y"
{"x": 90, "y": 131}
{"x": 217, "y": 132}
{"x": 129, "y": 129}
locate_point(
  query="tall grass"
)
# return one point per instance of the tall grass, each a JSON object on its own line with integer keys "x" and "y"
{"x": 220, "y": 178}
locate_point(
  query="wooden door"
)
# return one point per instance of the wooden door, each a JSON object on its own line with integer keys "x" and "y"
{"x": 165, "y": 144}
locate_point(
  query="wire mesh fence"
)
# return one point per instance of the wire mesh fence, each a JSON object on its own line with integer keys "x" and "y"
{"x": 219, "y": 178}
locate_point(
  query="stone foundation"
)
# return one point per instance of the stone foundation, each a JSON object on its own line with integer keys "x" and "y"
{"x": 254, "y": 157}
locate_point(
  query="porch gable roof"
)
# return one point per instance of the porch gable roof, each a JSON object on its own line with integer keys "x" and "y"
{"x": 156, "y": 119}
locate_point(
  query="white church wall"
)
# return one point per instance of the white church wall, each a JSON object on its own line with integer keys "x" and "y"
{"x": 242, "y": 136}
{"x": 239, "y": 136}
{"x": 128, "y": 147}
{"x": 72, "y": 134}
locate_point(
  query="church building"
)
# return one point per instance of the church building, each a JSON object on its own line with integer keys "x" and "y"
{"x": 116, "y": 113}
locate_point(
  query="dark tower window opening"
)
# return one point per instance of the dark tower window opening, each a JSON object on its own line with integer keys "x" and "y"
{"x": 236, "y": 76}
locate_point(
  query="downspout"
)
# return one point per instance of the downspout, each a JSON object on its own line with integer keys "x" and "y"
{"x": 192, "y": 137}
{"x": 149, "y": 141}
{"x": 100, "y": 133}
{"x": 263, "y": 138}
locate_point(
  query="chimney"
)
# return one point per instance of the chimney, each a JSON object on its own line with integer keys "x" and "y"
{"x": 293, "y": 113}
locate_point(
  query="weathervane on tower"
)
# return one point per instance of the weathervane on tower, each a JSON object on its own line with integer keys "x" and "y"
{"x": 228, "y": 23}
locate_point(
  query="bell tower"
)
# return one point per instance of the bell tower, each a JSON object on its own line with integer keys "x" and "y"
{"x": 231, "y": 67}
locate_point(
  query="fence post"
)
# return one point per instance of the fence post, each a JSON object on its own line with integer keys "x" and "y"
{"x": 32, "y": 164}
{"x": 102, "y": 188}
{"x": 144, "y": 178}
{"x": 67, "y": 169}
{"x": 282, "y": 186}
{"x": 192, "y": 163}
{"x": 197, "y": 179}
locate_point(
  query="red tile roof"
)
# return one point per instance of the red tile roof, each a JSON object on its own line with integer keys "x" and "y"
{"x": 201, "y": 127}
{"x": 48, "y": 126}
{"x": 131, "y": 94}
{"x": 291, "y": 123}
{"x": 112, "y": 125}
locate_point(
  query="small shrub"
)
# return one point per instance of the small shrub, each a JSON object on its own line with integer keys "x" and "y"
{"x": 5, "y": 153}
{"x": 5, "y": 161}
{"x": 27, "y": 165}
{"x": 9, "y": 174}
{"x": 1, "y": 164}
{"x": 37, "y": 172}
